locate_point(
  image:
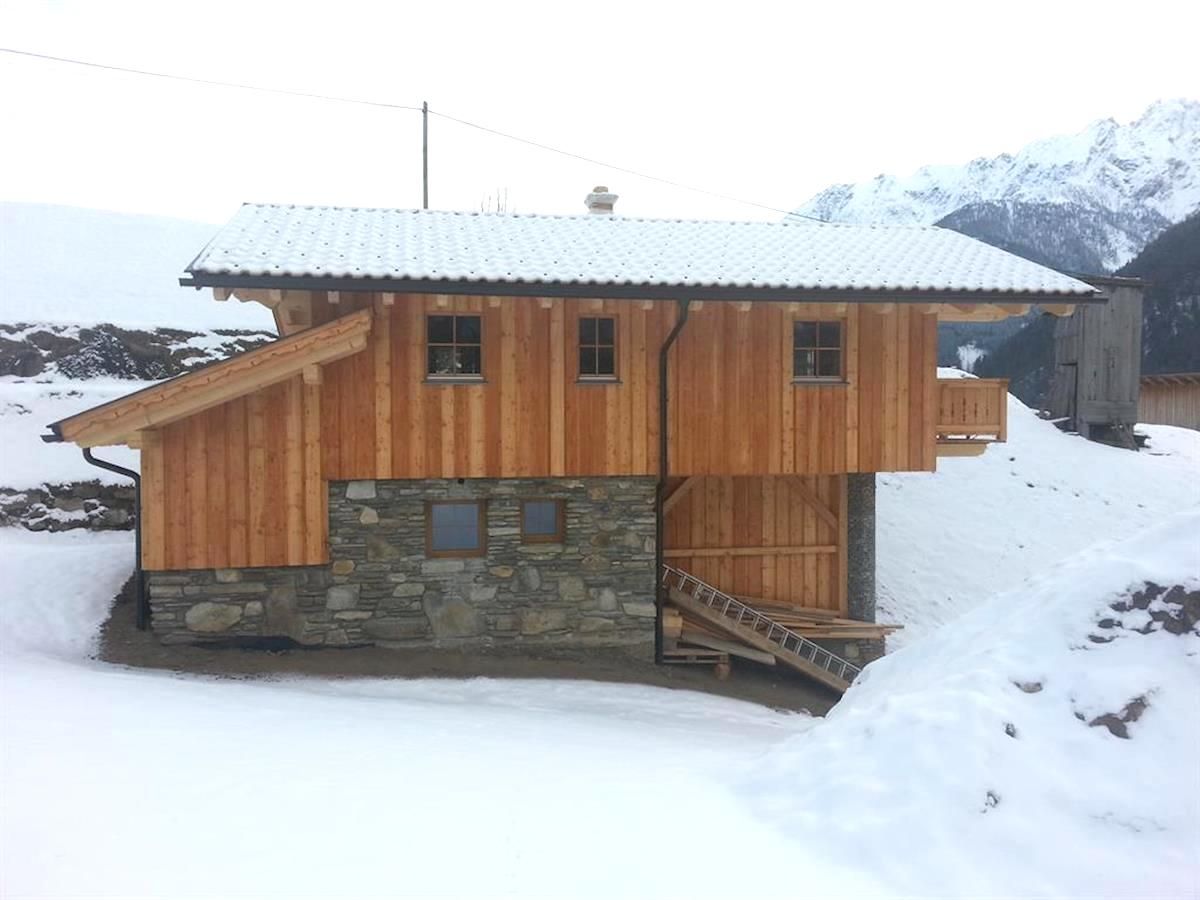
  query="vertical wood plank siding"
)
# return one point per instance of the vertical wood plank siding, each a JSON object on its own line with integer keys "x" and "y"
{"x": 746, "y": 512}
{"x": 243, "y": 484}
{"x": 237, "y": 485}
{"x": 734, "y": 408}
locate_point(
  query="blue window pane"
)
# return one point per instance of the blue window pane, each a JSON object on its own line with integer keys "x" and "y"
{"x": 541, "y": 517}
{"x": 454, "y": 526}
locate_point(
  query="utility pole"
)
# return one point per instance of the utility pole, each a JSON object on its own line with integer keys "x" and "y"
{"x": 425, "y": 155}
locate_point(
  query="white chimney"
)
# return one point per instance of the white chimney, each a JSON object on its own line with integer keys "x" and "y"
{"x": 600, "y": 201}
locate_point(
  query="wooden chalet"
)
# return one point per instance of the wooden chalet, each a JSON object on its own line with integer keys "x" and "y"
{"x": 482, "y": 428}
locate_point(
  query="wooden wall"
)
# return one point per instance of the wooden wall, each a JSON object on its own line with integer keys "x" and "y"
{"x": 238, "y": 485}
{"x": 801, "y": 517}
{"x": 243, "y": 484}
{"x": 1097, "y": 362}
{"x": 734, "y": 409}
{"x": 530, "y": 416}
{"x": 1170, "y": 403}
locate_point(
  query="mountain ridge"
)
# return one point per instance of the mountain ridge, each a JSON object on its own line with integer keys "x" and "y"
{"x": 1112, "y": 187}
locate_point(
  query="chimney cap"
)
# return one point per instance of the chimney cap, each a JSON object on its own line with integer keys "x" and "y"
{"x": 600, "y": 200}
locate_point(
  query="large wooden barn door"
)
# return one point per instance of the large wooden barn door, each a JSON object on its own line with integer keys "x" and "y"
{"x": 780, "y": 538}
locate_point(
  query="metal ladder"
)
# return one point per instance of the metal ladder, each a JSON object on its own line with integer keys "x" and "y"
{"x": 792, "y": 647}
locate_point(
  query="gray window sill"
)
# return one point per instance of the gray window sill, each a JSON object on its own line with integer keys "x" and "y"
{"x": 600, "y": 381}
{"x": 455, "y": 379}
{"x": 820, "y": 382}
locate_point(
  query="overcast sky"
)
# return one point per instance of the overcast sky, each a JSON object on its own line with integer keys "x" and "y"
{"x": 766, "y": 101}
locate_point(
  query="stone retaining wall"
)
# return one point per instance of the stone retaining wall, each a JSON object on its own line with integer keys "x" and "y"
{"x": 597, "y": 587}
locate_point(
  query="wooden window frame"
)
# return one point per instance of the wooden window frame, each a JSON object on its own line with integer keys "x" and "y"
{"x": 840, "y": 377}
{"x": 560, "y": 519}
{"x": 481, "y": 550}
{"x": 580, "y": 345}
{"x": 443, "y": 378}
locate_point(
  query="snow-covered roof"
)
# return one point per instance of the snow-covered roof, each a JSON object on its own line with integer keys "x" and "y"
{"x": 282, "y": 243}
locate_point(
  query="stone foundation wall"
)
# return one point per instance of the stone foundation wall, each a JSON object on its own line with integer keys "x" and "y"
{"x": 596, "y": 587}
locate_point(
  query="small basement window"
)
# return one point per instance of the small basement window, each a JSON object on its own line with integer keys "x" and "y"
{"x": 455, "y": 528}
{"x": 455, "y": 346}
{"x": 543, "y": 521}
{"x": 597, "y": 347}
{"x": 817, "y": 351}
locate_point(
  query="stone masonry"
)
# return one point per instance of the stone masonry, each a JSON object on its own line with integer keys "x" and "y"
{"x": 596, "y": 587}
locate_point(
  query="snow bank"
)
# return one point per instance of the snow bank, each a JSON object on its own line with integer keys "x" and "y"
{"x": 27, "y": 407}
{"x": 942, "y": 776}
{"x": 950, "y": 539}
{"x": 57, "y": 589}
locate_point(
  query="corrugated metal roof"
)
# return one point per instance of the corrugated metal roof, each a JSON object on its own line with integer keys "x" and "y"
{"x": 424, "y": 245}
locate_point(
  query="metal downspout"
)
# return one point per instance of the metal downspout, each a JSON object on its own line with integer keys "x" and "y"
{"x": 139, "y": 584}
{"x": 663, "y": 472}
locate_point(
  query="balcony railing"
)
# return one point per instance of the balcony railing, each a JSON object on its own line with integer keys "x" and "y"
{"x": 972, "y": 413}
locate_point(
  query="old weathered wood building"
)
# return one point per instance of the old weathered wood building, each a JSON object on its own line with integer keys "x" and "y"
{"x": 486, "y": 428}
{"x": 1094, "y": 380}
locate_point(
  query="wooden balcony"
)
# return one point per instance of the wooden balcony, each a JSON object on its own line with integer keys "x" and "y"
{"x": 972, "y": 413}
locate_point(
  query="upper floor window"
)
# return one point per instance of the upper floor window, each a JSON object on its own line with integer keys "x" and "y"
{"x": 597, "y": 347}
{"x": 817, "y": 350}
{"x": 455, "y": 346}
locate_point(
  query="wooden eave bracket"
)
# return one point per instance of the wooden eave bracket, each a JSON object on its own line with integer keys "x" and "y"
{"x": 301, "y": 354}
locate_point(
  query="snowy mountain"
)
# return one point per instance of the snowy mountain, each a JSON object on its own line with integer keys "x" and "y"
{"x": 1084, "y": 201}
{"x": 71, "y": 266}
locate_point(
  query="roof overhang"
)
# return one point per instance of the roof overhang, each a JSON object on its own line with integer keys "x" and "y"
{"x": 119, "y": 421}
{"x": 623, "y": 291}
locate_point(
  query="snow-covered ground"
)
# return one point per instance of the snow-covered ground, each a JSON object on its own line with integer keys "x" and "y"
{"x": 27, "y": 406}
{"x": 978, "y": 526}
{"x": 962, "y": 765}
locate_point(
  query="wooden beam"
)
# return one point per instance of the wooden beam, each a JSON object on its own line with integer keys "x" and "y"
{"x": 312, "y": 374}
{"x": 647, "y": 305}
{"x": 733, "y": 648}
{"x": 494, "y": 302}
{"x": 595, "y": 304}
{"x": 442, "y": 301}
{"x": 382, "y": 346}
{"x": 696, "y": 305}
{"x": 387, "y": 298}
{"x": 1057, "y": 309}
{"x": 215, "y": 384}
{"x": 1014, "y": 309}
{"x": 961, "y": 448}
{"x": 839, "y": 309}
{"x": 545, "y": 302}
{"x": 221, "y": 294}
{"x": 679, "y": 493}
{"x": 814, "y": 502}
{"x": 335, "y": 297}
{"x": 881, "y": 308}
{"x": 789, "y": 550}
{"x": 743, "y": 306}
{"x": 793, "y": 308}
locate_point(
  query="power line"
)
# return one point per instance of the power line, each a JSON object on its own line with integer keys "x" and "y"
{"x": 597, "y": 162}
{"x": 332, "y": 98}
{"x": 208, "y": 81}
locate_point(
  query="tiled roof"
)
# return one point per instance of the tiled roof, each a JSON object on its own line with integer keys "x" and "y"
{"x": 423, "y": 245}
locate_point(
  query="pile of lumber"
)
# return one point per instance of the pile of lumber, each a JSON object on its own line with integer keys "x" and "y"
{"x": 820, "y": 623}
